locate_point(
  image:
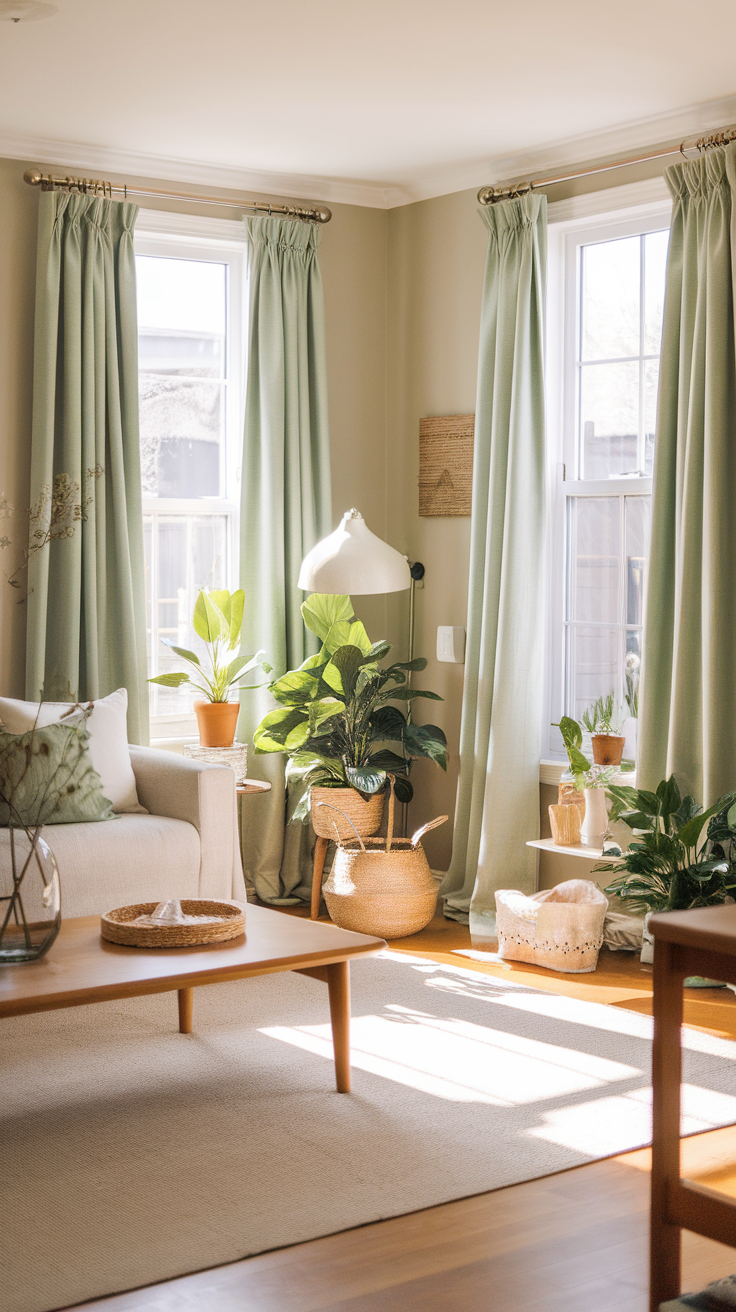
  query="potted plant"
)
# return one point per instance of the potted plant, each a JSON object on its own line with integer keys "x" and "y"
{"x": 604, "y": 727}
{"x": 217, "y": 620}
{"x": 336, "y": 723}
{"x": 590, "y": 780}
{"x": 671, "y": 865}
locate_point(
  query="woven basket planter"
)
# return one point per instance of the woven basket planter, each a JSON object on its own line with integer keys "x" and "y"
{"x": 382, "y": 887}
{"x": 229, "y": 922}
{"x": 349, "y": 812}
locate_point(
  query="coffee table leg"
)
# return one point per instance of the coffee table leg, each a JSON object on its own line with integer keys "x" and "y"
{"x": 186, "y": 999}
{"x": 338, "y": 983}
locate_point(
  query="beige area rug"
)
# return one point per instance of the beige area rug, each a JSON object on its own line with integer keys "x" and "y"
{"x": 131, "y": 1153}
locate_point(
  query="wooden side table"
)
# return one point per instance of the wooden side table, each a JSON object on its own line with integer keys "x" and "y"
{"x": 701, "y": 942}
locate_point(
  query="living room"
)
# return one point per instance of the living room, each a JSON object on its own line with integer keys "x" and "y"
{"x": 505, "y": 421}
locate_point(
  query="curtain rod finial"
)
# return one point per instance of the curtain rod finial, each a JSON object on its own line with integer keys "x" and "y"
{"x": 33, "y": 177}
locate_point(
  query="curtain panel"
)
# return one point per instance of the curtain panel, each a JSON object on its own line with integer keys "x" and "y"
{"x": 286, "y": 506}
{"x": 86, "y": 629}
{"x": 688, "y": 692}
{"x": 498, "y": 792}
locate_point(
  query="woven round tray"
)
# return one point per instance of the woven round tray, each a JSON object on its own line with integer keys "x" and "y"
{"x": 116, "y": 925}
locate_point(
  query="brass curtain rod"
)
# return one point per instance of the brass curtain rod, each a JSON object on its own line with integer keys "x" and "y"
{"x": 96, "y": 187}
{"x": 490, "y": 195}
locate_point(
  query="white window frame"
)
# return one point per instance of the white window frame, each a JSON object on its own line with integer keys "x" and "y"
{"x": 188, "y": 237}
{"x": 566, "y": 236}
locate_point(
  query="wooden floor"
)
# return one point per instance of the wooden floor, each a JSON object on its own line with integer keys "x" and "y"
{"x": 572, "y": 1242}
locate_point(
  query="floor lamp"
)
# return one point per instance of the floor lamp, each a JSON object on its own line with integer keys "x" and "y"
{"x": 353, "y": 561}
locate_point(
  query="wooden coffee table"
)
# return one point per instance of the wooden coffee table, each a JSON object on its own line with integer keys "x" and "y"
{"x": 81, "y": 967}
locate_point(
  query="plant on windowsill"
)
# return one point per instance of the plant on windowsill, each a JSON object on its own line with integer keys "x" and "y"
{"x": 338, "y": 728}
{"x": 217, "y": 620}
{"x": 670, "y": 866}
{"x": 591, "y": 780}
{"x": 603, "y": 723}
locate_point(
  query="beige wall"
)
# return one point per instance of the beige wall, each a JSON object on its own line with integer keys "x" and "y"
{"x": 353, "y": 261}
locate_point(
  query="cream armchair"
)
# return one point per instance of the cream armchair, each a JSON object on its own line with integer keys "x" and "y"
{"x": 187, "y": 846}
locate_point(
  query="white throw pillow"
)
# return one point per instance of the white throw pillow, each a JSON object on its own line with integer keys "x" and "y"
{"x": 108, "y": 740}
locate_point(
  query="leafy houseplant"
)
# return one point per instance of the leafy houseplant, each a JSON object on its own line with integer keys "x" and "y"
{"x": 590, "y": 780}
{"x": 671, "y": 865}
{"x": 604, "y": 726}
{"x": 217, "y": 620}
{"x": 335, "y": 720}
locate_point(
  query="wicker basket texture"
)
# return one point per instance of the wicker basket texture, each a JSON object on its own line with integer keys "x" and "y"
{"x": 348, "y": 805}
{"x": 116, "y": 925}
{"x": 382, "y": 887}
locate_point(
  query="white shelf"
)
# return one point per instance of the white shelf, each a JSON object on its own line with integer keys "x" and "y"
{"x": 567, "y": 849}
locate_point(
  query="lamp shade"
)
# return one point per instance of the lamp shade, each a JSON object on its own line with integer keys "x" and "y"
{"x": 354, "y": 561}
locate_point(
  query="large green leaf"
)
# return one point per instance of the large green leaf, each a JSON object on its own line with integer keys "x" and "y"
{"x": 209, "y": 621}
{"x": 323, "y": 711}
{"x": 343, "y": 634}
{"x": 389, "y": 761}
{"x": 690, "y": 832}
{"x": 237, "y": 606}
{"x": 296, "y": 688}
{"x": 411, "y": 694}
{"x": 297, "y": 737}
{"x": 388, "y": 722}
{"x": 378, "y": 651}
{"x": 426, "y": 740}
{"x": 419, "y": 663}
{"x": 365, "y": 779}
{"x": 274, "y": 729}
{"x": 403, "y": 789}
{"x": 171, "y": 680}
{"x": 341, "y": 672}
{"x": 241, "y": 665}
{"x": 323, "y": 610}
{"x": 182, "y": 651}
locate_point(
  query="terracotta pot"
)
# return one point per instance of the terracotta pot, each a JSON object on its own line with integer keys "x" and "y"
{"x": 608, "y": 748}
{"x": 366, "y": 816}
{"x": 216, "y": 722}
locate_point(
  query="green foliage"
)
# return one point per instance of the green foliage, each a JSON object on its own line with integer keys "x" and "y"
{"x": 336, "y": 721}
{"x": 601, "y": 717}
{"x": 217, "y": 620}
{"x": 671, "y": 865}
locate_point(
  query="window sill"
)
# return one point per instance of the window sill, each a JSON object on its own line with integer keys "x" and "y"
{"x": 550, "y": 772}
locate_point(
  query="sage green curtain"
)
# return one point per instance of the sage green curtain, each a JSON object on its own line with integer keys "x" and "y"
{"x": 286, "y": 506}
{"x": 86, "y": 631}
{"x": 688, "y": 693}
{"x": 498, "y": 792}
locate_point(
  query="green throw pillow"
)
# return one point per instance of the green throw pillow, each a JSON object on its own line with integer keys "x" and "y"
{"x": 47, "y": 778}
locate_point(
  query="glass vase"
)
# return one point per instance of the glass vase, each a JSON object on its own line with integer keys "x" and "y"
{"x": 30, "y": 895}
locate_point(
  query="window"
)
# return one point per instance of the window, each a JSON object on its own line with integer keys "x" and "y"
{"x": 610, "y": 301}
{"x": 190, "y": 299}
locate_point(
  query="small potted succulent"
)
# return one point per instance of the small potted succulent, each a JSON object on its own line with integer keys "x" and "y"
{"x": 671, "y": 865}
{"x": 337, "y": 725}
{"x": 604, "y": 726}
{"x": 217, "y": 620}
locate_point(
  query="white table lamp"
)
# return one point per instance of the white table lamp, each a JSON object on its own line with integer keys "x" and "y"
{"x": 352, "y": 560}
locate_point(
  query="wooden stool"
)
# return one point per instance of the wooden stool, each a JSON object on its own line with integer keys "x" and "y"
{"x": 320, "y": 852}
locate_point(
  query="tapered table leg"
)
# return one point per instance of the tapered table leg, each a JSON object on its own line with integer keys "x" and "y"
{"x": 338, "y": 983}
{"x": 665, "y": 1239}
{"x": 320, "y": 852}
{"x": 186, "y": 999}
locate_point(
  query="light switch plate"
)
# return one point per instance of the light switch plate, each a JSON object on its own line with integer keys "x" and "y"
{"x": 451, "y": 643}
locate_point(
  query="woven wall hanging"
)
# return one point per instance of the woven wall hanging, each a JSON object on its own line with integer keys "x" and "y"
{"x": 446, "y": 465}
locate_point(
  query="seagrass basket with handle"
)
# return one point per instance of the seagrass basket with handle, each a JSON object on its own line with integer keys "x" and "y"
{"x": 382, "y": 886}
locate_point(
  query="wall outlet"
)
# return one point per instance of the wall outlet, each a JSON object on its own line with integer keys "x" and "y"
{"x": 451, "y": 643}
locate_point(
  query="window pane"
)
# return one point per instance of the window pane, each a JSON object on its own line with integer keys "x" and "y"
{"x": 651, "y": 386}
{"x": 655, "y": 265}
{"x": 594, "y": 547}
{"x": 182, "y": 315}
{"x": 637, "y": 513}
{"x": 184, "y": 553}
{"x": 610, "y": 299}
{"x": 592, "y": 666}
{"x": 609, "y": 419}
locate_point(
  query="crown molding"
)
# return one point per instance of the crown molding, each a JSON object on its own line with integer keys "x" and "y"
{"x": 296, "y": 186}
{"x": 589, "y": 148}
{"x": 650, "y": 194}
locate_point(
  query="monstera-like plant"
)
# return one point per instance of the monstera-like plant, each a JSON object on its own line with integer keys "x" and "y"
{"x": 337, "y": 719}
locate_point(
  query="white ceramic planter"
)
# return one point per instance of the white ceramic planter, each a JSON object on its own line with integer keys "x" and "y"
{"x": 595, "y": 820}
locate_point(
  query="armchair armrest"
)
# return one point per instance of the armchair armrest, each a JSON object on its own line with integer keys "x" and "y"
{"x": 203, "y": 795}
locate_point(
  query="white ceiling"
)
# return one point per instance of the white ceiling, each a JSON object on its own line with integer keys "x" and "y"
{"x": 411, "y": 97}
